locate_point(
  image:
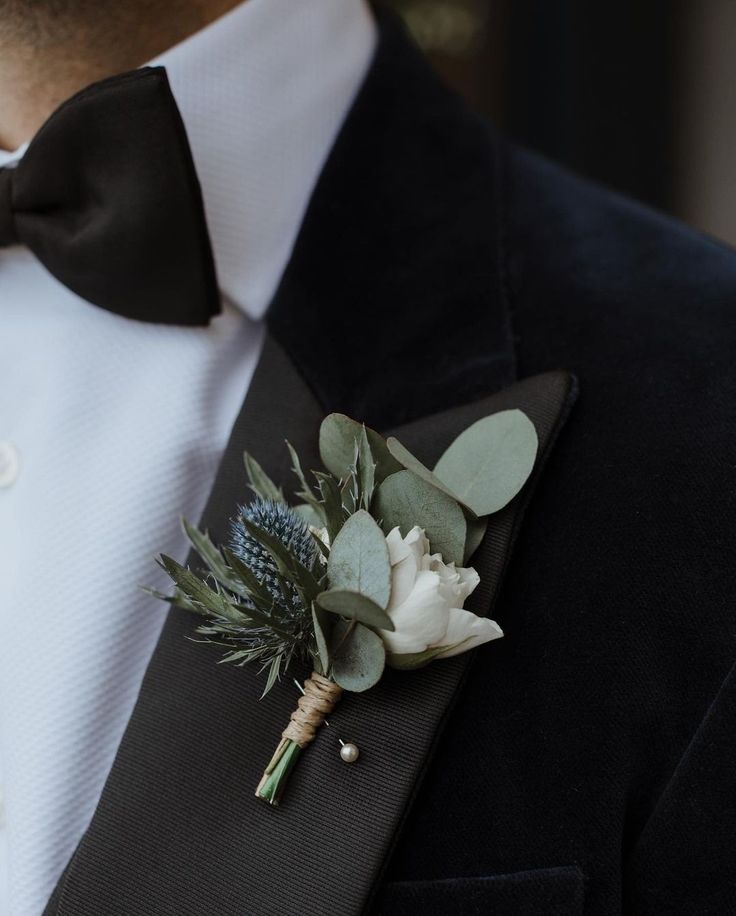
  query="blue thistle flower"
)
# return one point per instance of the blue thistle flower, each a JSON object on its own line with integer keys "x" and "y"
{"x": 284, "y": 523}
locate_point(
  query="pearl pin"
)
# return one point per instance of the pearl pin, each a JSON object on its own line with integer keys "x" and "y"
{"x": 349, "y": 753}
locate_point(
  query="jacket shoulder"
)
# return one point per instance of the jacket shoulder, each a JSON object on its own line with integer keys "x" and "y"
{"x": 598, "y": 250}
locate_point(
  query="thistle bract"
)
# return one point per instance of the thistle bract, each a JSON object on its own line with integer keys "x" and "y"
{"x": 284, "y": 523}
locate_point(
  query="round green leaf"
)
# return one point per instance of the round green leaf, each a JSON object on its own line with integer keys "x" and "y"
{"x": 358, "y": 656}
{"x": 355, "y": 606}
{"x": 408, "y": 461}
{"x": 359, "y": 560}
{"x": 405, "y": 500}
{"x": 490, "y": 461}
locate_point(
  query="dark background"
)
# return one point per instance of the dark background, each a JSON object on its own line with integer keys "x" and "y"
{"x": 637, "y": 94}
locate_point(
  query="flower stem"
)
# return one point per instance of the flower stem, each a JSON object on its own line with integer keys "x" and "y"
{"x": 319, "y": 696}
{"x": 273, "y": 782}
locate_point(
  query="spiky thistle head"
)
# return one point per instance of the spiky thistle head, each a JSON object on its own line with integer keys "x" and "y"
{"x": 281, "y": 521}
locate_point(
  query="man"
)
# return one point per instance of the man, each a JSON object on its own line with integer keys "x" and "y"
{"x": 384, "y": 253}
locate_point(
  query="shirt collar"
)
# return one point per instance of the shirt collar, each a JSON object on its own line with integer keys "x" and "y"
{"x": 263, "y": 92}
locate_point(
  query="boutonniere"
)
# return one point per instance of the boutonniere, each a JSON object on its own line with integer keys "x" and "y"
{"x": 366, "y": 569}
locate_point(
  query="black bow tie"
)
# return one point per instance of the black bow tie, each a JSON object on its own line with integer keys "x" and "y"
{"x": 107, "y": 198}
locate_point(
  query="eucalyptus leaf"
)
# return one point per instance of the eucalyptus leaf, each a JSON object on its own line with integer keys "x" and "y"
{"x": 359, "y": 560}
{"x": 358, "y": 656}
{"x": 338, "y": 435}
{"x": 413, "y": 464}
{"x": 355, "y": 606}
{"x": 490, "y": 461}
{"x": 405, "y": 500}
{"x": 260, "y": 482}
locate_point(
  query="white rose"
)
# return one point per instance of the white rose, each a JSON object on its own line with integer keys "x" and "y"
{"x": 427, "y": 597}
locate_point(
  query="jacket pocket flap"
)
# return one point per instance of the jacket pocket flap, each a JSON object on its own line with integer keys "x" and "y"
{"x": 541, "y": 892}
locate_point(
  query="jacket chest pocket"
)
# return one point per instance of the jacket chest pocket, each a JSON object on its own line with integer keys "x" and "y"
{"x": 541, "y": 892}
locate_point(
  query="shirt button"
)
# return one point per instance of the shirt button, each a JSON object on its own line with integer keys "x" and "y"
{"x": 9, "y": 464}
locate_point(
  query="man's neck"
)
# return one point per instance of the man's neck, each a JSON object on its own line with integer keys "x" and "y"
{"x": 44, "y": 62}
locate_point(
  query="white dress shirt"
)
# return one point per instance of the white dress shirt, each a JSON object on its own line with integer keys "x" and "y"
{"x": 110, "y": 429}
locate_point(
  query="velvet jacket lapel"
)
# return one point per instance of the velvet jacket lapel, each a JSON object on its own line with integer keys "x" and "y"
{"x": 392, "y": 309}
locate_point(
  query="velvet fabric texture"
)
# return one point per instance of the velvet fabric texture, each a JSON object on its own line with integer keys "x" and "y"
{"x": 587, "y": 765}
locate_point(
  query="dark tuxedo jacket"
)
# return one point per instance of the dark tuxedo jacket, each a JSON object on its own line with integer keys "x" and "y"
{"x": 584, "y": 764}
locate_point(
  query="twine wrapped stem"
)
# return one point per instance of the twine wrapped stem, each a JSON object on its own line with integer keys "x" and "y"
{"x": 320, "y": 697}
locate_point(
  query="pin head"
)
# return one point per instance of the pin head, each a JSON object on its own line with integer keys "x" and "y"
{"x": 349, "y": 753}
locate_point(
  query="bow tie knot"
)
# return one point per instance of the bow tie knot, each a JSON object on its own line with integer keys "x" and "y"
{"x": 8, "y": 234}
{"x": 107, "y": 198}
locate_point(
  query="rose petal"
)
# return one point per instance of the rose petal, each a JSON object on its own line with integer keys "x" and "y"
{"x": 416, "y": 541}
{"x": 397, "y": 549}
{"x": 468, "y": 630}
{"x": 469, "y": 580}
{"x": 421, "y": 620}
{"x": 403, "y": 577}
{"x": 457, "y": 582}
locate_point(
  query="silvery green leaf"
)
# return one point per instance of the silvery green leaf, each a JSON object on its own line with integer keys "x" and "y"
{"x": 413, "y": 464}
{"x": 260, "y": 482}
{"x": 359, "y": 559}
{"x": 358, "y": 656}
{"x": 356, "y": 607}
{"x": 476, "y": 532}
{"x": 490, "y": 461}
{"x": 338, "y": 435}
{"x": 405, "y": 500}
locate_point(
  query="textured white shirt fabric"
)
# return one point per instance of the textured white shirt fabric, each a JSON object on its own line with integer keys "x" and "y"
{"x": 118, "y": 426}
